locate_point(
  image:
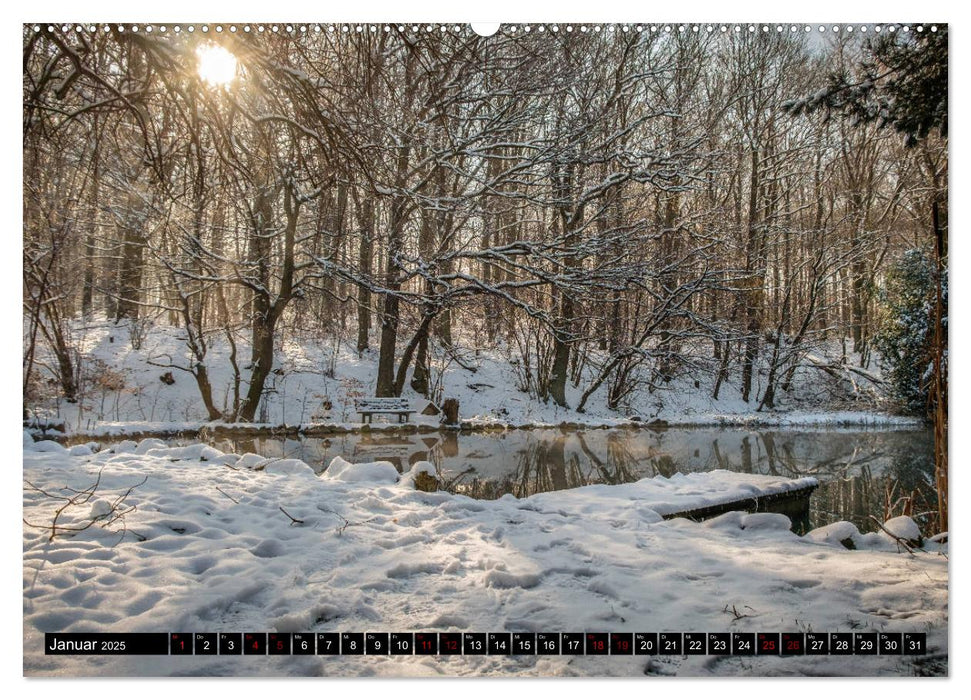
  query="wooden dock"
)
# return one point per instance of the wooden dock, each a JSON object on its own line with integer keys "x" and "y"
{"x": 794, "y": 504}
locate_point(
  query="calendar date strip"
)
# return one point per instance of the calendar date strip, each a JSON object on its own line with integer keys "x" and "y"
{"x": 487, "y": 643}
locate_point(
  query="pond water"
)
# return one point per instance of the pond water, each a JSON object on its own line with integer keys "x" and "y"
{"x": 860, "y": 471}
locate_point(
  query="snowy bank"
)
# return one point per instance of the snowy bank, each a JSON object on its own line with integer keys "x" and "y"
{"x": 314, "y": 388}
{"x": 202, "y": 545}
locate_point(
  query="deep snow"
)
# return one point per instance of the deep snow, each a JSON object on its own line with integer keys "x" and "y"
{"x": 207, "y": 548}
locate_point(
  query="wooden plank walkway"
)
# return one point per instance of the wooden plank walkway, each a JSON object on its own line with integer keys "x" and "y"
{"x": 794, "y": 504}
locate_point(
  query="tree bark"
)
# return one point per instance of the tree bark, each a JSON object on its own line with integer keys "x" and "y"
{"x": 755, "y": 281}
{"x": 386, "y": 385}
{"x": 365, "y": 212}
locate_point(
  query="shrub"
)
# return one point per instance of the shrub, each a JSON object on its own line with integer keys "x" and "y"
{"x": 906, "y": 332}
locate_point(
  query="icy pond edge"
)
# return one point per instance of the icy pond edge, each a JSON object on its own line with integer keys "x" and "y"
{"x": 190, "y": 429}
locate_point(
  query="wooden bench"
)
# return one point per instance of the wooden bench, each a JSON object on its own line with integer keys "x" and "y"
{"x": 368, "y": 407}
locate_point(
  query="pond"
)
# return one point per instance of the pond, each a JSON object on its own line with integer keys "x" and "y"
{"x": 861, "y": 472}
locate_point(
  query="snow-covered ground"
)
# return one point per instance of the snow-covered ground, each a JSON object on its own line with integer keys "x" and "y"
{"x": 208, "y": 548}
{"x": 316, "y": 382}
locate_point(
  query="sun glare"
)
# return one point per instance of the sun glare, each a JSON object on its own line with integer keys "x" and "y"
{"x": 217, "y": 66}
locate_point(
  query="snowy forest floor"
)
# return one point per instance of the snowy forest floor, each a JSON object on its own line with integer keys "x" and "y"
{"x": 316, "y": 383}
{"x": 207, "y": 548}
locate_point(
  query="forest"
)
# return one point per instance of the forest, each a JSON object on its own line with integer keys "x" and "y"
{"x": 607, "y": 206}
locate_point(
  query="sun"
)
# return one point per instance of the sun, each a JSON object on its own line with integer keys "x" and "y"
{"x": 217, "y": 66}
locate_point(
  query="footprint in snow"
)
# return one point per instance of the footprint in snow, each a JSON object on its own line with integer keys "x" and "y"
{"x": 404, "y": 570}
{"x": 267, "y": 549}
{"x": 447, "y": 620}
{"x": 201, "y": 564}
{"x": 144, "y": 603}
{"x": 504, "y": 579}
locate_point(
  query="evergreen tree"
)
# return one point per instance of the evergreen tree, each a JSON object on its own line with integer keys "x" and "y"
{"x": 901, "y": 83}
{"x": 906, "y": 333}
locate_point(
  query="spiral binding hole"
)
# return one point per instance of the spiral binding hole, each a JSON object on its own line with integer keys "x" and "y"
{"x": 444, "y": 29}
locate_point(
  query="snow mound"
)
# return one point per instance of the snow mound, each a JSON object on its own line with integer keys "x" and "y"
{"x": 80, "y": 450}
{"x": 28, "y": 441}
{"x": 124, "y": 447}
{"x": 289, "y": 467}
{"x": 376, "y": 472}
{"x": 49, "y": 446}
{"x": 765, "y": 521}
{"x": 100, "y": 508}
{"x": 250, "y": 461}
{"x": 845, "y": 534}
{"x": 727, "y": 521}
{"x": 210, "y": 454}
{"x": 149, "y": 444}
{"x": 200, "y": 452}
{"x": 904, "y": 528}
{"x": 840, "y": 534}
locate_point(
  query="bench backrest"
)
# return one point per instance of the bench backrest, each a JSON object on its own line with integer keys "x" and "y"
{"x": 382, "y": 404}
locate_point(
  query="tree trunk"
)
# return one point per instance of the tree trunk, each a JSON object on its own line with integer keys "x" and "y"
{"x": 365, "y": 250}
{"x": 205, "y": 391}
{"x": 130, "y": 274}
{"x": 419, "y": 378}
{"x": 65, "y": 365}
{"x": 420, "y": 337}
{"x": 266, "y": 314}
{"x": 754, "y": 283}
{"x": 390, "y": 312}
{"x": 262, "y": 364}
{"x": 450, "y": 412}
{"x": 87, "y": 293}
{"x": 561, "y": 351}
{"x": 939, "y": 389}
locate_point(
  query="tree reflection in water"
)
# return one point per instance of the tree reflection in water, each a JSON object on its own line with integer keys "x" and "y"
{"x": 856, "y": 468}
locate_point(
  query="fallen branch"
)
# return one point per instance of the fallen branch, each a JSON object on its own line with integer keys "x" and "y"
{"x": 346, "y": 523}
{"x": 839, "y": 371}
{"x": 116, "y": 510}
{"x": 227, "y": 495}
{"x": 736, "y": 614}
{"x": 295, "y": 521}
{"x": 899, "y": 540}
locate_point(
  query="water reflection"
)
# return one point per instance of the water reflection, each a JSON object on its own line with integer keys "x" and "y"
{"x": 857, "y": 469}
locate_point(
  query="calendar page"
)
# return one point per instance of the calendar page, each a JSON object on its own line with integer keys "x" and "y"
{"x": 460, "y": 350}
